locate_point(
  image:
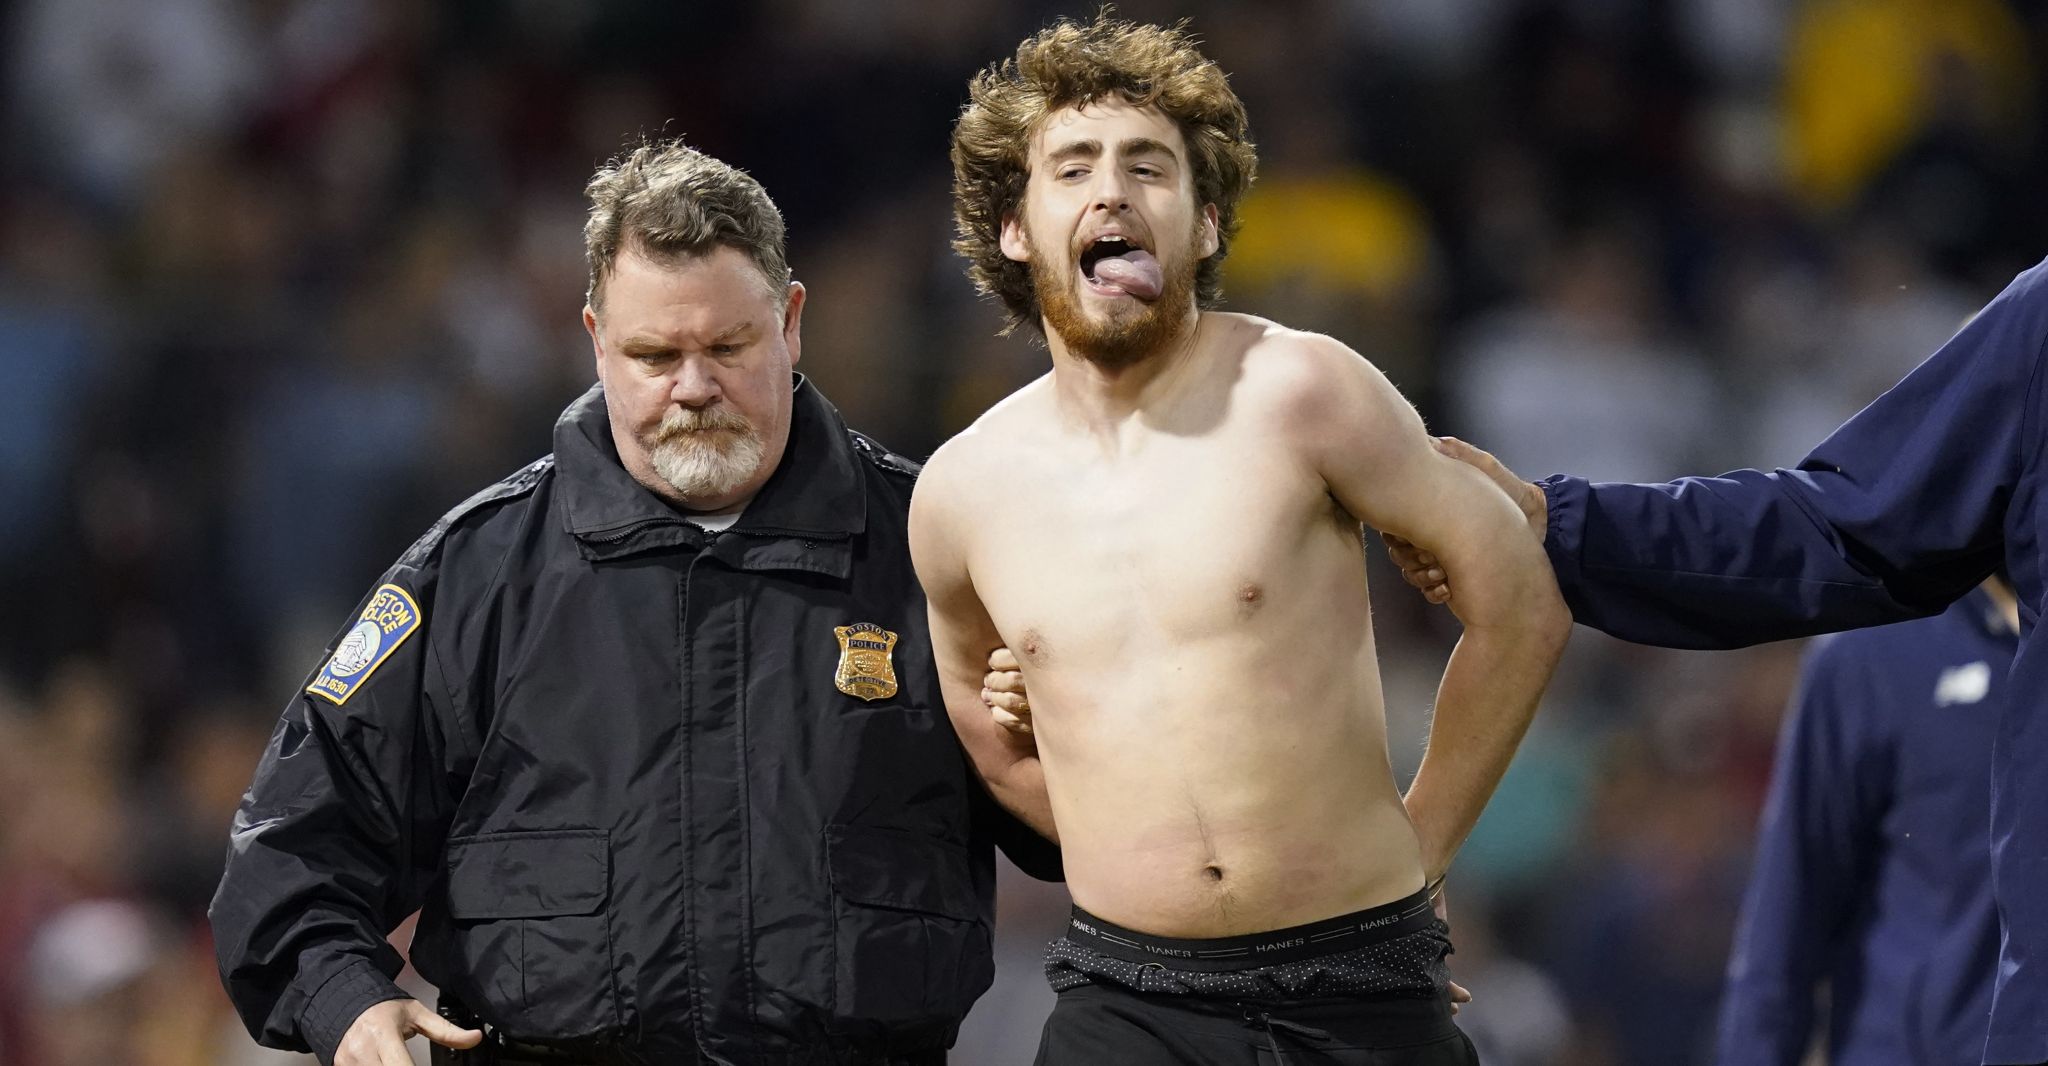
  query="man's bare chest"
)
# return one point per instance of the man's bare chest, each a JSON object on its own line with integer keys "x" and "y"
{"x": 1179, "y": 543}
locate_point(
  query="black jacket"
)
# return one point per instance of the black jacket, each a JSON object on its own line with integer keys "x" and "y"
{"x": 610, "y": 758}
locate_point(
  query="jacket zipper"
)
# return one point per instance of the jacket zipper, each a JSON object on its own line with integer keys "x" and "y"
{"x": 613, "y": 536}
{"x": 686, "y": 810}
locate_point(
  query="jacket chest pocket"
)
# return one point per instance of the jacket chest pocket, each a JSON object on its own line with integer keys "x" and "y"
{"x": 531, "y": 931}
{"x": 910, "y": 941}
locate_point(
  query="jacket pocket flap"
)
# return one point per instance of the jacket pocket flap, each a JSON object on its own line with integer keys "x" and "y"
{"x": 528, "y": 875}
{"x": 900, "y": 869}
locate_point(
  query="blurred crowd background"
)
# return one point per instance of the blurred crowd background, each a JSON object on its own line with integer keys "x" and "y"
{"x": 282, "y": 280}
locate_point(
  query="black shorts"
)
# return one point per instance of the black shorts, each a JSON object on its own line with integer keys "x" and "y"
{"x": 1366, "y": 989}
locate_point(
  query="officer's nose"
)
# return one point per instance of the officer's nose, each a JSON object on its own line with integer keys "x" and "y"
{"x": 694, "y": 384}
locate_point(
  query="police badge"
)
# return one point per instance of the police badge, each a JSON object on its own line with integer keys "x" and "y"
{"x": 866, "y": 665}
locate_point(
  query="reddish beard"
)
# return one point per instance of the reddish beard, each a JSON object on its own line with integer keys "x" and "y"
{"x": 1131, "y": 330}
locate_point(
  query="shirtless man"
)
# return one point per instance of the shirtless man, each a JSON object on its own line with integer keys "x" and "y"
{"x": 1177, "y": 561}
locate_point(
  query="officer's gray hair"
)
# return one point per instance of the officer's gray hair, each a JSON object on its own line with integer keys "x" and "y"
{"x": 668, "y": 201}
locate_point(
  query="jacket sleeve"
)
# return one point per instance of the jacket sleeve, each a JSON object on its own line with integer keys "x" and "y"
{"x": 1816, "y": 844}
{"x": 339, "y": 832}
{"x": 1897, "y": 514}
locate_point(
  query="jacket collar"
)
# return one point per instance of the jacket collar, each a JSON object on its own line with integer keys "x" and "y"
{"x": 817, "y": 493}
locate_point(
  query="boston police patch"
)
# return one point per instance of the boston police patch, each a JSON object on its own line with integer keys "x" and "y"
{"x": 390, "y": 618}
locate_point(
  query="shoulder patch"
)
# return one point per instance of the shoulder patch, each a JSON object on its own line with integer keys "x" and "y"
{"x": 873, "y": 452}
{"x": 390, "y": 617}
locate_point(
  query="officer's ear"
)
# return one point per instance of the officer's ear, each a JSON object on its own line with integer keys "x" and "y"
{"x": 596, "y": 341}
{"x": 792, "y": 322}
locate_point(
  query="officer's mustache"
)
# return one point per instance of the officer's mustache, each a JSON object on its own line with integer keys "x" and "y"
{"x": 681, "y": 423}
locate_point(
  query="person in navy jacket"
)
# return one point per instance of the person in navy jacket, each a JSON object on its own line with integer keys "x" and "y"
{"x": 1901, "y": 511}
{"x": 1873, "y": 863}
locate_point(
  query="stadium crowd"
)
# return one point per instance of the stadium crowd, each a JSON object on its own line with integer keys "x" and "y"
{"x": 281, "y": 280}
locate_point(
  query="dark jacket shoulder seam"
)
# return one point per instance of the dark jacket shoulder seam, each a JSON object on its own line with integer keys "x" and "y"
{"x": 875, "y": 454}
{"x": 520, "y": 484}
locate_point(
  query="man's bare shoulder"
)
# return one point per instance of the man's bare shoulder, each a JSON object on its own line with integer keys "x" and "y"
{"x": 1302, "y": 377}
{"x": 988, "y": 445}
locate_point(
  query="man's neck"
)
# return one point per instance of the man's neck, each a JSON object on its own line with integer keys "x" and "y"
{"x": 1098, "y": 398}
{"x": 2008, "y": 603}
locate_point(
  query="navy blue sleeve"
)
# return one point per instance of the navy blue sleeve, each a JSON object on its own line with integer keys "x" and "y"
{"x": 1897, "y": 514}
{"x": 1816, "y": 843}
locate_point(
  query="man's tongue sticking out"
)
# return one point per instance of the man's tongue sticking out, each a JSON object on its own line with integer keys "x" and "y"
{"x": 1135, "y": 272}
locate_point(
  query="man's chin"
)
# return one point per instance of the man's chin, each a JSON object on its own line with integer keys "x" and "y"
{"x": 704, "y": 492}
{"x": 1115, "y": 349}
{"x": 700, "y": 473}
{"x": 1113, "y": 334}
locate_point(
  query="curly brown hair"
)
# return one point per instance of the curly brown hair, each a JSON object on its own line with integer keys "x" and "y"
{"x": 1071, "y": 64}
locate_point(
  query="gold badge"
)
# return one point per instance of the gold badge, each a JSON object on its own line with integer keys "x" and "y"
{"x": 866, "y": 668}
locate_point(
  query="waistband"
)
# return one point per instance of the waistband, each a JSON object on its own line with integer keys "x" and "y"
{"x": 1390, "y": 921}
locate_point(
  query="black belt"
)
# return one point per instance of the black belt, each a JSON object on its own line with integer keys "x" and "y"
{"x": 500, "y": 1050}
{"x": 512, "y": 1053}
{"x": 497, "y": 1049}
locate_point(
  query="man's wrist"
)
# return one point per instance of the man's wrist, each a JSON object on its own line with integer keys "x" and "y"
{"x": 339, "y": 1001}
{"x": 1565, "y": 499}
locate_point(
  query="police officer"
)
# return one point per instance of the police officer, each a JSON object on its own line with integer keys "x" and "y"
{"x": 649, "y": 731}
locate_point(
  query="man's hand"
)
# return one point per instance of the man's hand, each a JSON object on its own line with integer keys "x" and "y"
{"x": 1419, "y": 567}
{"x": 377, "y": 1036}
{"x": 1441, "y": 904}
{"x": 1003, "y": 691}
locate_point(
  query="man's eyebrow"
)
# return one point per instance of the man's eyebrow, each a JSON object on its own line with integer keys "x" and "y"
{"x": 1084, "y": 149}
{"x": 730, "y": 332}
{"x": 1146, "y": 146}
{"x": 1129, "y": 146}
{"x": 645, "y": 345}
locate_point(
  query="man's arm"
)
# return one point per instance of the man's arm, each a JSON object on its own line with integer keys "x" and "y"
{"x": 1369, "y": 447}
{"x": 963, "y": 636}
{"x": 336, "y": 840}
{"x": 1002, "y": 689}
{"x": 1828, "y": 792}
{"x": 1897, "y": 514}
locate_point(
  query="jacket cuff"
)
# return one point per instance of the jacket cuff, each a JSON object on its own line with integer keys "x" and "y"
{"x": 339, "y": 1001}
{"x": 1565, "y": 500}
